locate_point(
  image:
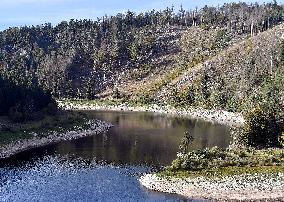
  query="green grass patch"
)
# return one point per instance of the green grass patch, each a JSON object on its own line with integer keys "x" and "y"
{"x": 59, "y": 123}
{"x": 217, "y": 162}
{"x": 220, "y": 172}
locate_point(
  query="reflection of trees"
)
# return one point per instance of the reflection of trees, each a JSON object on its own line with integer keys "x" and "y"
{"x": 184, "y": 123}
{"x": 134, "y": 119}
{"x": 147, "y": 137}
{"x": 210, "y": 135}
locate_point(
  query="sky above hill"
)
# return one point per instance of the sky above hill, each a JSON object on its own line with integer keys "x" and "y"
{"x": 33, "y": 12}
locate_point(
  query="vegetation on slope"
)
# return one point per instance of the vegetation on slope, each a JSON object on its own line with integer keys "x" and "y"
{"x": 11, "y": 132}
{"x": 84, "y": 58}
{"x": 237, "y": 78}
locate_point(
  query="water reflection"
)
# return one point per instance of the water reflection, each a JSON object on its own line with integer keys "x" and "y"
{"x": 136, "y": 139}
{"x": 144, "y": 138}
{"x": 54, "y": 179}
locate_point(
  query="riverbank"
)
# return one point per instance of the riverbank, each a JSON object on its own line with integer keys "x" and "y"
{"x": 223, "y": 174}
{"x": 89, "y": 128}
{"x": 246, "y": 187}
{"x": 240, "y": 186}
{"x": 217, "y": 116}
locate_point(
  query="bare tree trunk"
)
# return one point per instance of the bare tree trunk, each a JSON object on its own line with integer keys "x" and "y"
{"x": 271, "y": 65}
{"x": 251, "y": 29}
{"x": 193, "y": 18}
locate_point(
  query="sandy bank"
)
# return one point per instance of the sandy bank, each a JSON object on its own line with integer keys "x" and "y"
{"x": 218, "y": 116}
{"x": 257, "y": 187}
{"x": 94, "y": 127}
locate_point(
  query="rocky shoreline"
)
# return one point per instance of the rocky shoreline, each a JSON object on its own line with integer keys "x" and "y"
{"x": 246, "y": 187}
{"x": 94, "y": 127}
{"x": 217, "y": 116}
{"x": 254, "y": 187}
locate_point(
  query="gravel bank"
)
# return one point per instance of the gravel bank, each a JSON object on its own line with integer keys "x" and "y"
{"x": 256, "y": 187}
{"x": 94, "y": 127}
{"x": 218, "y": 116}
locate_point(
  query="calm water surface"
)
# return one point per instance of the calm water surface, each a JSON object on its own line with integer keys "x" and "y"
{"x": 105, "y": 167}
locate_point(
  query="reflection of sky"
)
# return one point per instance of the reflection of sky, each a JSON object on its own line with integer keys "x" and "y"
{"x": 57, "y": 179}
{"x": 32, "y": 12}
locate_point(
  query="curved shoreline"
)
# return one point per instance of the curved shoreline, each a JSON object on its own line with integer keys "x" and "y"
{"x": 234, "y": 188}
{"x": 95, "y": 127}
{"x": 216, "y": 116}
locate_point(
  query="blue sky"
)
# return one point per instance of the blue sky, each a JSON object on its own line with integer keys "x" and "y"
{"x": 33, "y": 12}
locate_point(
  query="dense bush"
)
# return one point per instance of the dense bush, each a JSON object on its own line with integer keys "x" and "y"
{"x": 116, "y": 93}
{"x": 22, "y": 103}
{"x": 261, "y": 129}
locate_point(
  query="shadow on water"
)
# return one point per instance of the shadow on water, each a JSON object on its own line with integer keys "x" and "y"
{"x": 136, "y": 144}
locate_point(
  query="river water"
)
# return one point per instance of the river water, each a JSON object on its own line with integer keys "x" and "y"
{"x": 106, "y": 167}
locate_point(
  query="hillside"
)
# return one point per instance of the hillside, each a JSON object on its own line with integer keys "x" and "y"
{"x": 235, "y": 75}
{"x": 237, "y": 78}
{"x": 226, "y": 58}
{"x": 196, "y": 46}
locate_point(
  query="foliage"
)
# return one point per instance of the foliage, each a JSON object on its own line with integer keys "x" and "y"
{"x": 282, "y": 139}
{"x": 22, "y": 103}
{"x": 185, "y": 142}
{"x": 81, "y": 58}
{"x": 218, "y": 158}
{"x": 60, "y": 123}
{"x": 116, "y": 93}
{"x": 194, "y": 58}
{"x": 144, "y": 99}
{"x": 281, "y": 53}
{"x": 261, "y": 129}
{"x": 235, "y": 79}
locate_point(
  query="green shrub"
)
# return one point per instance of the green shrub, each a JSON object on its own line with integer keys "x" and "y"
{"x": 145, "y": 99}
{"x": 219, "y": 158}
{"x": 185, "y": 142}
{"x": 22, "y": 102}
{"x": 261, "y": 129}
{"x": 116, "y": 94}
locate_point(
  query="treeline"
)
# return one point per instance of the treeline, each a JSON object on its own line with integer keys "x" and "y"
{"x": 22, "y": 103}
{"x": 81, "y": 58}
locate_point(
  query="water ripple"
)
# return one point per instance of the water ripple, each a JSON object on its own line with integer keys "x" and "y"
{"x": 62, "y": 179}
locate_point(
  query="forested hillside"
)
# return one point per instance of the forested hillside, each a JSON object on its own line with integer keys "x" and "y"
{"x": 237, "y": 79}
{"x": 82, "y": 58}
{"x": 226, "y": 57}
